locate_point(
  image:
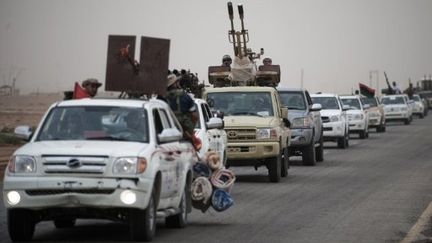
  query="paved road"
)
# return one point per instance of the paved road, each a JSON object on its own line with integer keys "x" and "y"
{"x": 372, "y": 192}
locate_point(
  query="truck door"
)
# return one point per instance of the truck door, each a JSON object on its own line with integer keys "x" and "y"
{"x": 167, "y": 156}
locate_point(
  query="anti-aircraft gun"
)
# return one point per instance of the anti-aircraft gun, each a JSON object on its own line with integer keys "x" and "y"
{"x": 244, "y": 71}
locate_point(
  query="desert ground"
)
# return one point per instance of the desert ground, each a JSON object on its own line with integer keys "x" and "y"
{"x": 21, "y": 110}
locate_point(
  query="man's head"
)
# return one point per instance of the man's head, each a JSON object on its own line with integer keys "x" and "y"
{"x": 226, "y": 61}
{"x": 172, "y": 81}
{"x": 394, "y": 83}
{"x": 91, "y": 86}
{"x": 267, "y": 61}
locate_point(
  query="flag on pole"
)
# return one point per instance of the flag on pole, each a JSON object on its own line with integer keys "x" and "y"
{"x": 79, "y": 92}
{"x": 366, "y": 90}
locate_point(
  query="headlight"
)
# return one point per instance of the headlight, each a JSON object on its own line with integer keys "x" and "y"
{"x": 334, "y": 118}
{"x": 358, "y": 117}
{"x": 22, "y": 164}
{"x": 129, "y": 165}
{"x": 301, "y": 122}
{"x": 266, "y": 133}
{"x": 374, "y": 114}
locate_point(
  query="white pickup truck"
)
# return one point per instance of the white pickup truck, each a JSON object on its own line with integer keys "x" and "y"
{"x": 113, "y": 159}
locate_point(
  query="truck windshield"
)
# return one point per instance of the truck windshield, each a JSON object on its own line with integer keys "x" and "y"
{"x": 327, "y": 103}
{"x": 95, "y": 123}
{"x": 353, "y": 103}
{"x": 293, "y": 100}
{"x": 393, "y": 100}
{"x": 417, "y": 98}
{"x": 370, "y": 101}
{"x": 242, "y": 103}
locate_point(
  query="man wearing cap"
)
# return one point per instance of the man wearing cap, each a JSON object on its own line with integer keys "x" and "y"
{"x": 183, "y": 107}
{"x": 91, "y": 86}
{"x": 267, "y": 61}
{"x": 226, "y": 61}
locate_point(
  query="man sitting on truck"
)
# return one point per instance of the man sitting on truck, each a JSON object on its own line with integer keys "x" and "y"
{"x": 184, "y": 108}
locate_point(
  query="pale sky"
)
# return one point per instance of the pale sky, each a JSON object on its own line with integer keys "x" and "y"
{"x": 53, "y": 43}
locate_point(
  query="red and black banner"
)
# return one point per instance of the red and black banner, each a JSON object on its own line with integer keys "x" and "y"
{"x": 366, "y": 90}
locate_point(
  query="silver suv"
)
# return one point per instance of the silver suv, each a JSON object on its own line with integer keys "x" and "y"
{"x": 306, "y": 125}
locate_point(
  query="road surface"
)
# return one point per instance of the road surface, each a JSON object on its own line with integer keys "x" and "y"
{"x": 374, "y": 191}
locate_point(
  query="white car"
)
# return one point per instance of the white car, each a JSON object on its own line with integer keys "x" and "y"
{"x": 113, "y": 159}
{"x": 210, "y": 130}
{"x": 397, "y": 108}
{"x": 419, "y": 108}
{"x": 358, "y": 115}
{"x": 333, "y": 115}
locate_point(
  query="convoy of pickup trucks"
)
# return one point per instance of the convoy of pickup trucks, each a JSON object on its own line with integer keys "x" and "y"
{"x": 128, "y": 160}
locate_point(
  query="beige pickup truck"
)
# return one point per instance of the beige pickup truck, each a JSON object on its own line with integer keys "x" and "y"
{"x": 256, "y": 125}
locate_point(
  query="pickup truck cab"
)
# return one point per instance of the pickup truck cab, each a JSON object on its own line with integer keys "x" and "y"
{"x": 256, "y": 125}
{"x": 397, "y": 108}
{"x": 122, "y": 160}
{"x": 334, "y": 118}
{"x": 306, "y": 125}
{"x": 210, "y": 130}
{"x": 358, "y": 116}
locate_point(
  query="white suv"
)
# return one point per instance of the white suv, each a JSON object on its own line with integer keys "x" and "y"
{"x": 419, "y": 108}
{"x": 91, "y": 158}
{"x": 358, "y": 116}
{"x": 333, "y": 115}
{"x": 397, "y": 108}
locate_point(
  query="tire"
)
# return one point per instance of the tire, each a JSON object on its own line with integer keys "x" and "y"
{"x": 383, "y": 128}
{"x": 274, "y": 169}
{"x": 407, "y": 121}
{"x": 308, "y": 155}
{"x": 143, "y": 222}
{"x": 362, "y": 134}
{"x": 421, "y": 116}
{"x": 64, "y": 223}
{"x": 285, "y": 163}
{"x": 179, "y": 220}
{"x": 342, "y": 142}
{"x": 21, "y": 224}
{"x": 319, "y": 151}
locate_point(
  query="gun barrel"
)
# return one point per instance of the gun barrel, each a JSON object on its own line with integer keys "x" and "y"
{"x": 240, "y": 10}
{"x": 230, "y": 11}
{"x": 243, "y": 31}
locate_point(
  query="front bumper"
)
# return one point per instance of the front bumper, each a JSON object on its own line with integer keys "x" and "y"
{"x": 252, "y": 150}
{"x": 396, "y": 115}
{"x": 72, "y": 192}
{"x": 333, "y": 129}
{"x": 357, "y": 125}
{"x": 301, "y": 137}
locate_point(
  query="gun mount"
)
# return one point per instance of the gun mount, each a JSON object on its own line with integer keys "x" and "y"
{"x": 244, "y": 71}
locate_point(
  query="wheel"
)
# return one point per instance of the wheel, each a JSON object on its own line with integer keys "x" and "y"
{"x": 319, "y": 151}
{"x": 383, "y": 128}
{"x": 143, "y": 222}
{"x": 421, "y": 116}
{"x": 21, "y": 224}
{"x": 407, "y": 121}
{"x": 308, "y": 155}
{"x": 285, "y": 163}
{"x": 274, "y": 168}
{"x": 342, "y": 142}
{"x": 367, "y": 133}
{"x": 179, "y": 220}
{"x": 64, "y": 223}
{"x": 362, "y": 134}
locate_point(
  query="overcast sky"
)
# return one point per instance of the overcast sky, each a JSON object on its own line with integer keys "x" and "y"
{"x": 53, "y": 43}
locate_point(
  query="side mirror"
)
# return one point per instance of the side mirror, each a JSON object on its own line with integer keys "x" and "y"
{"x": 316, "y": 107}
{"x": 284, "y": 112}
{"x": 23, "y": 132}
{"x": 286, "y": 122}
{"x": 345, "y": 107}
{"x": 215, "y": 123}
{"x": 169, "y": 135}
